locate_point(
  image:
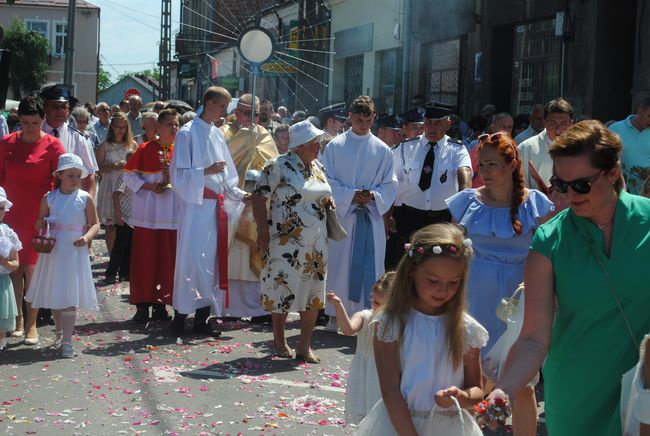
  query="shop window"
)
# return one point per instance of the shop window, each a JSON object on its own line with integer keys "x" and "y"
{"x": 353, "y": 78}
{"x": 442, "y": 64}
{"x": 536, "y": 65}
{"x": 390, "y": 81}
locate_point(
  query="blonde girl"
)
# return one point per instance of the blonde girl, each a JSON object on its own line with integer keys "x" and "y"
{"x": 427, "y": 348}
{"x": 111, "y": 158}
{"x": 362, "y": 390}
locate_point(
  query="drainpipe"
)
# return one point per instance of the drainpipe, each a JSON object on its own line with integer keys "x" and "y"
{"x": 406, "y": 62}
{"x": 68, "y": 74}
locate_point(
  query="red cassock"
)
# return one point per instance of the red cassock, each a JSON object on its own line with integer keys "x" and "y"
{"x": 26, "y": 175}
{"x": 153, "y": 251}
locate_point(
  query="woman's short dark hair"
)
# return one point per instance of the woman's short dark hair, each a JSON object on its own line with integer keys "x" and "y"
{"x": 31, "y": 105}
{"x": 589, "y": 138}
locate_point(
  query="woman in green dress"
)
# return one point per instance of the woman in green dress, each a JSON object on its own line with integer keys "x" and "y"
{"x": 587, "y": 329}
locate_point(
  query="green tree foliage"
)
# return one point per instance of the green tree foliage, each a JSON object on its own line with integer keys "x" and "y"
{"x": 30, "y": 55}
{"x": 103, "y": 79}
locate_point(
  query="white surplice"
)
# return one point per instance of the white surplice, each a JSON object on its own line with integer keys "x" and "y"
{"x": 196, "y": 278}
{"x": 353, "y": 162}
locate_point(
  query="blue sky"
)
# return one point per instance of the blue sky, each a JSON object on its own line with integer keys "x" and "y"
{"x": 130, "y": 32}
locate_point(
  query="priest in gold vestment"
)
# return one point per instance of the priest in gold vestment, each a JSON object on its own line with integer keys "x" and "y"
{"x": 250, "y": 149}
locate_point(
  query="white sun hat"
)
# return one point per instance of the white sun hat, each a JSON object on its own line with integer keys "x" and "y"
{"x": 4, "y": 199}
{"x": 71, "y": 160}
{"x": 301, "y": 133}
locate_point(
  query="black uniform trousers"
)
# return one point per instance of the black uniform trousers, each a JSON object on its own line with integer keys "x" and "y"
{"x": 408, "y": 220}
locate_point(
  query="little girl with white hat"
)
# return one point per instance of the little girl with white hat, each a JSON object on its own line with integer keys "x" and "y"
{"x": 62, "y": 279}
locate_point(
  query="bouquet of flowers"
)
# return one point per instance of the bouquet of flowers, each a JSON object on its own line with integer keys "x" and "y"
{"x": 492, "y": 415}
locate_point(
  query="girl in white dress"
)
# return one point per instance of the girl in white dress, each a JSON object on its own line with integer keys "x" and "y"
{"x": 63, "y": 279}
{"x": 427, "y": 348}
{"x": 362, "y": 390}
{"x": 9, "y": 247}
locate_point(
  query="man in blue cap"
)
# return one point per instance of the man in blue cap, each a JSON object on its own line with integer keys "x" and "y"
{"x": 389, "y": 129}
{"x": 413, "y": 123}
{"x": 58, "y": 101}
{"x": 429, "y": 169}
{"x": 332, "y": 118}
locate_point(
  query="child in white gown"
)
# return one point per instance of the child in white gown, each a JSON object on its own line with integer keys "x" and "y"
{"x": 427, "y": 348}
{"x": 62, "y": 279}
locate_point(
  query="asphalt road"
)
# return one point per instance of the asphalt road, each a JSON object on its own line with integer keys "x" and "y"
{"x": 132, "y": 379}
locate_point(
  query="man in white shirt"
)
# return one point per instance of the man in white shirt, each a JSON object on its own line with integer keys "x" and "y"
{"x": 359, "y": 168}
{"x": 535, "y": 124}
{"x": 535, "y": 160}
{"x": 429, "y": 170}
{"x": 57, "y": 100}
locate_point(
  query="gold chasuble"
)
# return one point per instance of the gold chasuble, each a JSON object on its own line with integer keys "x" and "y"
{"x": 249, "y": 150}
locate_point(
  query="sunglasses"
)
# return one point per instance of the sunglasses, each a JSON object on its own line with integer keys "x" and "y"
{"x": 579, "y": 186}
{"x": 487, "y": 138}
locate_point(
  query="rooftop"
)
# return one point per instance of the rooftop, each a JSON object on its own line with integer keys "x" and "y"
{"x": 54, "y": 3}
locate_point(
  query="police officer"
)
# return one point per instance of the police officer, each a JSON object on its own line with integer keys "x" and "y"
{"x": 389, "y": 129}
{"x": 413, "y": 123}
{"x": 57, "y": 101}
{"x": 429, "y": 169}
{"x": 332, "y": 118}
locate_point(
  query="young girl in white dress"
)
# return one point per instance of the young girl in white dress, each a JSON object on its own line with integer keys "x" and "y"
{"x": 362, "y": 390}
{"x": 9, "y": 247}
{"x": 427, "y": 348}
{"x": 62, "y": 279}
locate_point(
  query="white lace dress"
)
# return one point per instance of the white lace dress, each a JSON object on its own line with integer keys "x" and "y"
{"x": 425, "y": 369}
{"x": 111, "y": 182}
{"x": 362, "y": 391}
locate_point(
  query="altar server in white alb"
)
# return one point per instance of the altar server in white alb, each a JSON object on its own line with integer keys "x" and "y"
{"x": 205, "y": 180}
{"x": 359, "y": 169}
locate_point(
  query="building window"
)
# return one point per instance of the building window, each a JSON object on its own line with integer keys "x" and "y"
{"x": 390, "y": 81}
{"x": 442, "y": 64}
{"x": 60, "y": 30}
{"x": 353, "y": 78}
{"x": 536, "y": 65}
{"x": 39, "y": 26}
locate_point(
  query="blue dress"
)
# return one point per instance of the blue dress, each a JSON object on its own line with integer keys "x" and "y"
{"x": 497, "y": 267}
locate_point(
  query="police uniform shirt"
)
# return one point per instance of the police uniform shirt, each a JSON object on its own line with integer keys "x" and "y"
{"x": 450, "y": 155}
{"x": 74, "y": 142}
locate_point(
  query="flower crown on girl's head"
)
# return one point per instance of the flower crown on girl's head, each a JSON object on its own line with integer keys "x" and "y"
{"x": 417, "y": 250}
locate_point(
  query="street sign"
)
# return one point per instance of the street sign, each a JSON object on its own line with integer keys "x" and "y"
{"x": 131, "y": 91}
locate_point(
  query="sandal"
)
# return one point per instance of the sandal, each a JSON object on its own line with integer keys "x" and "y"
{"x": 309, "y": 358}
{"x": 287, "y": 353}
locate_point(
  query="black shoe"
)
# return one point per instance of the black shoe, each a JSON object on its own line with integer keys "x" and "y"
{"x": 262, "y": 319}
{"x": 177, "y": 327}
{"x": 159, "y": 313}
{"x": 205, "y": 329}
{"x": 142, "y": 315}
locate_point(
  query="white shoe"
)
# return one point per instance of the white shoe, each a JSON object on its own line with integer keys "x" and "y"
{"x": 332, "y": 325}
{"x": 66, "y": 350}
{"x": 17, "y": 334}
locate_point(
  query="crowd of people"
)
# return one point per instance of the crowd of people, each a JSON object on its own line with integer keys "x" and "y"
{"x": 415, "y": 232}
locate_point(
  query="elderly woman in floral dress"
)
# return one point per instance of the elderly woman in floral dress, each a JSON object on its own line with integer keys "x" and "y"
{"x": 295, "y": 237}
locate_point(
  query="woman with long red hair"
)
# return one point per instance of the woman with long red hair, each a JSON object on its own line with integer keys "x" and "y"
{"x": 500, "y": 218}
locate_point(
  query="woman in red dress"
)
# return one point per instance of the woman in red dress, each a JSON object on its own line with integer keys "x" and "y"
{"x": 27, "y": 160}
